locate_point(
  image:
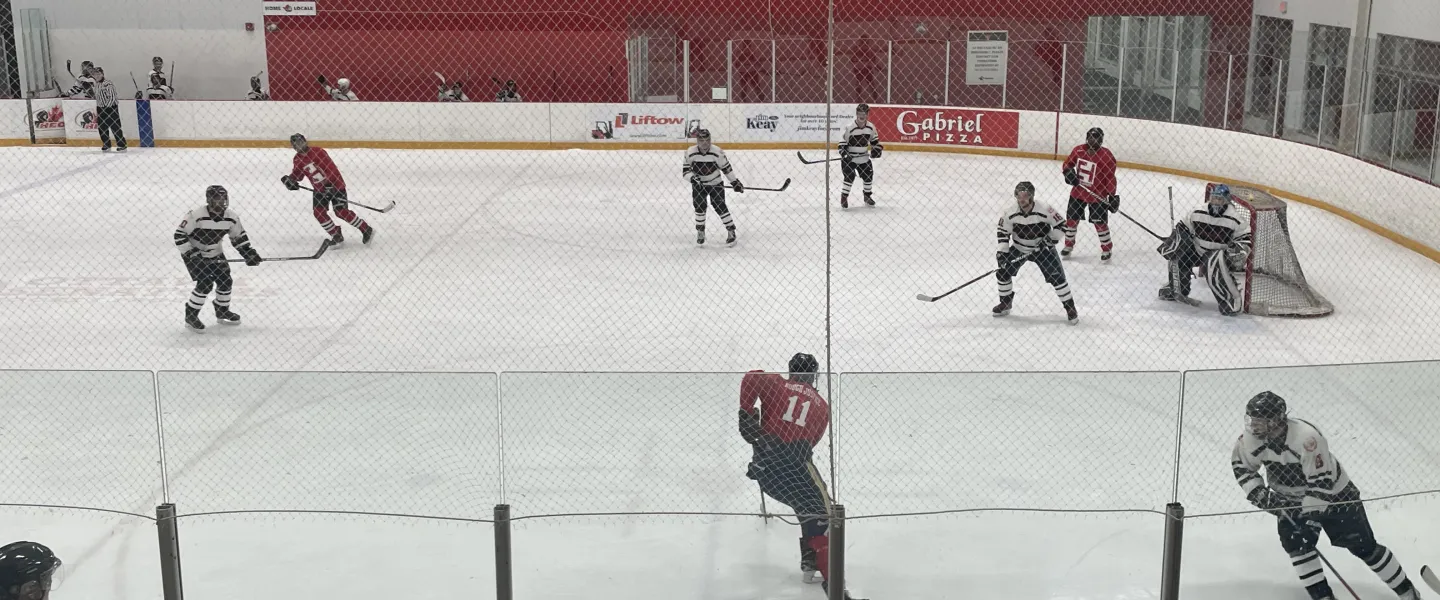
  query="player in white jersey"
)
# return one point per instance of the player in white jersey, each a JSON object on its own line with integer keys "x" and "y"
{"x": 706, "y": 167}
{"x": 199, "y": 238}
{"x": 1028, "y": 231}
{"x": 158, "y": 89}
{"x": 1212, "y": 235}
{"x": 256, "y": 92}
{"x": 1305, "y": 486}
{"x": 341, "y": 91}
{"x": 452, "y": 93}
{"x": 858, "y": 144}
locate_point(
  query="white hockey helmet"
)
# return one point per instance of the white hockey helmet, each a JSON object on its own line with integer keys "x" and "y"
{"x": 342, "y": 83}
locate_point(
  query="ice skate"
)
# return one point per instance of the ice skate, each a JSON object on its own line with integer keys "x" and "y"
{"x": 700, "y": 237}
{"x": 1071, "y": 315}
{"x": 730, "y": 238}
{"x": 1105, "y": 256}
{"x": 1065, "y": 252}
{"x": 192, "y": 320}
{"x": 869, "y": 200}
{"x": 844, "y": 200}
{"x": 367, "y": 235}
{"x": 807, "y": 564}
{"x": 226, "y": 316}
{"x": 1003, "y": 308}
{"x": 337, "y": 239}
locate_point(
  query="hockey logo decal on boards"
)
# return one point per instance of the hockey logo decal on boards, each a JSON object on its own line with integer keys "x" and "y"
{"x": 948, "y": 126}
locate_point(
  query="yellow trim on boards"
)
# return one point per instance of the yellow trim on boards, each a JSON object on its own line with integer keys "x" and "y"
{"x": 1419, "y": 248}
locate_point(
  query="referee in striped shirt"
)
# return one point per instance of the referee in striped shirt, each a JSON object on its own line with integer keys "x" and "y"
{"x": 107, "y": 112}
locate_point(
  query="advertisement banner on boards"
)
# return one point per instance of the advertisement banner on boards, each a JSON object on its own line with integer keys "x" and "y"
{"x": 643, "y": 122}
{"x": 47, "y": 117}
{"x": 287, "y": 9}
{"x": 947, "y": 126}
{"x": 798, "y": 123}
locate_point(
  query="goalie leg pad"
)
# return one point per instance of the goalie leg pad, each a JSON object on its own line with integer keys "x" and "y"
{"x": 1222, "y": 283}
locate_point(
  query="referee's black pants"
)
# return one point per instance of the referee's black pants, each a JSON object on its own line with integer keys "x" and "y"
{"x": 108, "y": 118}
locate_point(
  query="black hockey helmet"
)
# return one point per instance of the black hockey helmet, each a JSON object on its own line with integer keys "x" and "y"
{"x": 217, "y": 199}
{"x": 862, "y": 108}
{"x": 24, "y": 562}
{"x": 298, "y": 141}
{"x": 1095, "y": 137}
{"x": 803, "y": 367}
{"x": 1265, "y": 414}
{"x": 702, "y": 134}
{"x": 1024, "y": 186}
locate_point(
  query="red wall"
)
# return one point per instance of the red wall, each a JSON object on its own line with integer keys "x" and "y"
{"x": 574, "y": 50}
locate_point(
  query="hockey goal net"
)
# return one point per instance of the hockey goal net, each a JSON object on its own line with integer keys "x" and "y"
{"x": 1274, "y": 284}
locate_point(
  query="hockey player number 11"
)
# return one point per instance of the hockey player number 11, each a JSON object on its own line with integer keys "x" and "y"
{"x": 789, "y": 416}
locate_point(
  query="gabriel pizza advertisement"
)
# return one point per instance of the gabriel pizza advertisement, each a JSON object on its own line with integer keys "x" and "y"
{"x": 947, "y": 126}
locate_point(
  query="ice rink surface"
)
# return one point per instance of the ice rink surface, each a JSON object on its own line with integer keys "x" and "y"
{"x": 585, "y": 261}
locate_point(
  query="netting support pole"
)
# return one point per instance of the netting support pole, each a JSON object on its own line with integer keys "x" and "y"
{"x": 1320, "y": 124}
{"x": 1434, "y": 139}
{"x": 1064, "y": 69}
{"x": 947, "y": 73}
{"x": 169, "y": 530}
{"x": 889, "y": 67}
{"x": 774, "y": 71}
{"x": 1279, "y": 83}
{"x": 1175, "y": 84}
{"x": 729, "y": 71}
{"x": 837, "y": 552}
{"x": 1120, "y": 79}
{"x": 685, "y": 66}
{"x": 504, "y": 584}
{"x": 1395, "y": 122}
{"x": 1229, "y": 77}
{"x": 1170, "y": 560}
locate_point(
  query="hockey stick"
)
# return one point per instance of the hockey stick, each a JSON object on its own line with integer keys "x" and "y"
{"x": 1122, "y": 213}
{"x": 762, "y": 189}
{"x": 137, "y": 86}
{"x": 924, "y": 298}
{"x": 1170, "y": 190}
{"x": 441, "y": 77}
{"x": 814, "y": 162}
{"x": 72, "y": 73}
{"x": 325, "y": 245}
{"x": 379, "y": 210}
{"x": 764, "y": 512}
{"x": 1430, "y": 578}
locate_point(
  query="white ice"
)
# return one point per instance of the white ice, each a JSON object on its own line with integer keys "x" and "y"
{"x": 584, "y": 261}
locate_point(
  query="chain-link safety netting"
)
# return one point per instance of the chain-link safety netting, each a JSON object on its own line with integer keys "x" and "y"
{"x": 524, "y": 252}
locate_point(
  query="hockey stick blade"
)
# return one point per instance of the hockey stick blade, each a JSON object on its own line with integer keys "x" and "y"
{"x": 813, "y": 162}
{"x": 925, "y": 298}
{"x": 1430, "y": 578}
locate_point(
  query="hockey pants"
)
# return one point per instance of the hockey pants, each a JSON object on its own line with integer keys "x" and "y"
{"x": 1050, "y": 267}
{"x": 798, "y": 484}
{"x": 1348, "y": 527}
{"x": 715, "y": 194}
{"x": 211, "y": 274}
{"x": 323, "y": 200}
{"x": 848, "y": 170}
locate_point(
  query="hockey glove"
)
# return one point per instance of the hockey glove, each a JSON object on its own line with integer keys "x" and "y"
{"x": 750, "y": 427}
{"x": 290, "y": 183}
{"x": 737, "y": 186}
{"x": 1071, "y": 178}
{"x": 252, "y": 258}
{"x": 1005, "y": 258}
{"x": 1302, "y": 533}
{"x": 876, "y": 150}
{"x": 193, "y": 263}
{"x": 1113, "y": 203}
{"x": 321, "y": 80}
{"x": 1273, "y": 502}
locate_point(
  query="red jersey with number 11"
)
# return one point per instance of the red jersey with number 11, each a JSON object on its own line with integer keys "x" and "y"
{"x": 789, "y": 410}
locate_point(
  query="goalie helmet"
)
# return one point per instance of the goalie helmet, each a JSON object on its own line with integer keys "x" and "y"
{"x": 24, "y": 562}
{"x": 1265, "y": 415}
{"x": 217, "y": 199}
{"x": 803, "y": 367}
{"x": 342, "y": 83}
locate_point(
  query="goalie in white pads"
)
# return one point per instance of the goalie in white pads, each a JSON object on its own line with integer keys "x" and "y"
{"x": 1305, "y": 486}
{"x": 706, "y": 167}
{"x": 1029, "y": 231}
{"x": 1212, "y": 235}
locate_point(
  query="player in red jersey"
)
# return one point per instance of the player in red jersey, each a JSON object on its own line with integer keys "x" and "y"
{"x": 1090, "y": 169}
{"x": 791, "y": 419}
{"x": 329, "y": 189}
